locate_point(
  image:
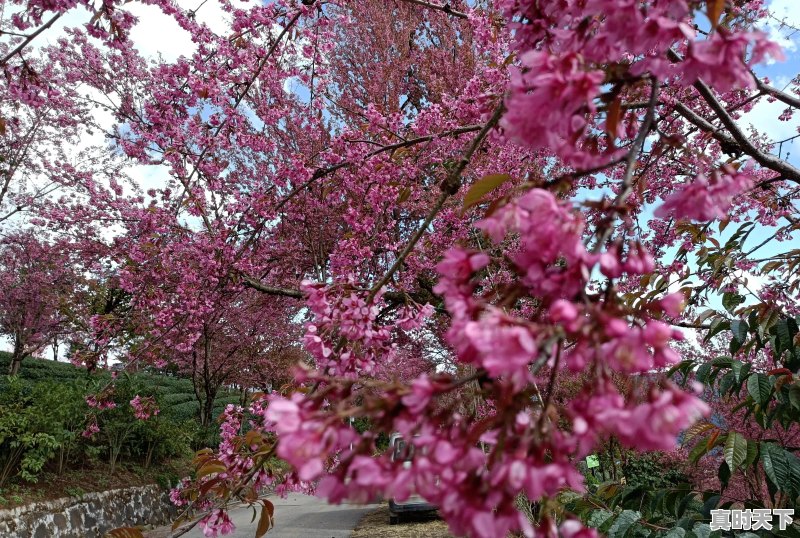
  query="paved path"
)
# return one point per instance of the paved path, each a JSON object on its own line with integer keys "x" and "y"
{"x": 298, "y": 516}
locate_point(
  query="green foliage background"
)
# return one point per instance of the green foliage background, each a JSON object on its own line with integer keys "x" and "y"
{"x": 43, "y": 412}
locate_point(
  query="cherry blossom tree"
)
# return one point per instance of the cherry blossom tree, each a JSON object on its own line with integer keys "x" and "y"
{"x": 37, "y": 279}
{"x": 464, "y": 204}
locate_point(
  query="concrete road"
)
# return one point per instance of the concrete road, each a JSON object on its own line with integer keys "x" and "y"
{"x": 298, "y": 516}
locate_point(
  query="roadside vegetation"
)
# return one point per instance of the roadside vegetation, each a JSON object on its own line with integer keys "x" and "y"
{"x": 49, "y": 447}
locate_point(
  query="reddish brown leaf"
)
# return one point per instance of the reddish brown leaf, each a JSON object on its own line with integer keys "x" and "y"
{"x": 482, "y": 187}
{"x": 613, "y": 116}
{"x": 206, "y": 487}
{"x": 180, "y": 521}
{"x": 267, "y": 518}
{"x": 780, "y": 371}
{"x": 712, "y": 440}
{"x": 714, "y": 10}
{"x": 213, "y": 466}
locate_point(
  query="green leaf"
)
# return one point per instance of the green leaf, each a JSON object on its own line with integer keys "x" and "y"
{"x": 744, "y": 371}
{"x": 702, "y": 530}
{"x": 735, "y": 450}
{"x": 731, "y": 300}
{"x": 726, "y": 384}
{"x": 734, "y": 346}
{"x": 736, "y": 366}
{"x": 783, "y": 335}
{"x": 597, "y": 518}
{"x": 794, "y": 395}
{"x": 702, "y": 372}
{"x": 710, "y": 503}
{"x": 675, "y": 532}
{"x": 683, "y": 367}
{"x": 785, "y": 330}
{"x": 752, "y": 453}
{"x": 739, "y": 329}
{"x": 759, "y": 388}
{"x": 717, "y": 326}
{"x": 482, "y": 187}
{"x": 722, "y": 361}
{"x": 684, "y": 504}
{"x": 781, "y": 467}
{"x": 698, "y": 451}
{"x": 623, "y": 523}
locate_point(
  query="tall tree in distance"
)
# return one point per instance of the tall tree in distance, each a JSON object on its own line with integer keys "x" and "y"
{"x": 463, "y": 204}
{"x": 37, "y": 279}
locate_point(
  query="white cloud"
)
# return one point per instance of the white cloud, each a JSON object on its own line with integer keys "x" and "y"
{"x": 155, "y": 33}
{"x": 158, "y": 34}
{"x": 764, "y": 117}
{"x": 787, "y": 11}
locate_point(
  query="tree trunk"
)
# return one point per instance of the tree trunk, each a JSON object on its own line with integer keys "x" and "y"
{"x": 207, "y": 409}
{"x": 203, "y": 417}
{"x": 149, "y": 457}
{"x": 16, "y": 360}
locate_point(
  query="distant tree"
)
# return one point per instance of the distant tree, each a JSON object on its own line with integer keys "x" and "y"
{"x": 36, "y": 279}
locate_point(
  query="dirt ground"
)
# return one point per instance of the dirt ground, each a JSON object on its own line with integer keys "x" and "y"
{"x": 73, "y": 483}
{"x": 376, "y": 525}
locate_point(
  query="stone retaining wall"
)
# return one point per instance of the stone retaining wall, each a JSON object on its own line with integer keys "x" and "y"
{"x": 88, "y": 516}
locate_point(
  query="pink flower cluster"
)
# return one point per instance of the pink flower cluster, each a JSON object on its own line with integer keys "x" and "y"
{"x": 725, "y": 48}
{"x": 652, "y": 425}
{"x": 348, "y": 318}
{"x": 706, "y": 198}
{"x": 349, "y": 323}
{"x": 567, "y": 46}
{"x": 562, "y": 91}
{"x": 548, "y": 231}
{"x": 217, "y": 523}
{"x": 91, "y": 427}
{"x": 144, "y": 407}
{"x": 306, "y": 440}
{"x": 104, "y": 402}
{"x": 474, "y": 467}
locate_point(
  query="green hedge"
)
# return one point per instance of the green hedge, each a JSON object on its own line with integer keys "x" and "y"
{"x": 43, "y": 413}
{"x": 175, "y": 393}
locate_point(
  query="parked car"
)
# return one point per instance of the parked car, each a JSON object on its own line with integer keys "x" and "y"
{"x": 404, "y": 451}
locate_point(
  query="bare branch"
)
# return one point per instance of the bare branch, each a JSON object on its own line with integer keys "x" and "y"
{"x": 778, "y": 94}
{"x": 251, "y": 282}
{"x": 30, "y": 38}
{"x": 736, "y": 137}
{"x": 444, "y": 8}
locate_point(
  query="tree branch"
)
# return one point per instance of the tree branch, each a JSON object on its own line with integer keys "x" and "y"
{"x": 251, "y": 282}
{"x": 736, "y": 136}
{"x": 630, "y": 162}
{"x": 777, "y": 94}
{"x": 444, "y": 8}
{"x": 319, "y": 173}
{"x": 449, "y": 187}
{"x": 764, "y": 159}
{"x": 30, "y": 38}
